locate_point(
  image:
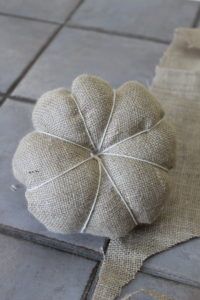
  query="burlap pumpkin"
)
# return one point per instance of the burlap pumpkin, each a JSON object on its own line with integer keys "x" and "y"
{"x": 98, "y": 159}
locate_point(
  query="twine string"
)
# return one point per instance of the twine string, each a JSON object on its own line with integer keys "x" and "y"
{"x": 96, "y": 195}
{"x": 138, "y": 159}
{"x": 134, "y": 135}
{"x": 100, "y": 163}
{"x": 109, "y": 120}
{"x": 59, "y": 175}
{"x": 83, "y": 119}
{"x": 119, "y": 193}
{"x": 63, "y": 139}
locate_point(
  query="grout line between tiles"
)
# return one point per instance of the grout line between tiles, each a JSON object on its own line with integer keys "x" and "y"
{"x": 23, "y": 99}
{"x": 51, "y": 243}
{"x": 86, "y": 295}
{"x": 147, "y": 271}
{"x": 196, "y": 19}
{"x": 38, "y": 54}
{"x": 169, "y": 276}
{"x": 54, "y": 34}
{"x": 10, "y": 15}
{"x": 87, "y": 28}
{"x": 116, "y": 33}
{"x": 93, "y": 282}
{"x": 74, "y": 11}
{"x": 59, "y": 245}
{"x": 30, "y": 64}
{"x": 161, "y": 274}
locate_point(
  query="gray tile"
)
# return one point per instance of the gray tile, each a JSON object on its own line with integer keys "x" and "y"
{"x": 153, "y": 18}
{"x": 49, "y": 10}
{"x": 146, "y": 287}
{"x": 15, "y": 122}
{"x": 30, "y": 271}
{"x": 117, "y": 59}
{"x": 181, "y": 263}
{"x": 20, "y": 41}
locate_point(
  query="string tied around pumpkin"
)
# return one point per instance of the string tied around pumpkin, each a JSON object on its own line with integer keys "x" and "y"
{"x": 96, "y": 155}
{"x": 93, "y": 156}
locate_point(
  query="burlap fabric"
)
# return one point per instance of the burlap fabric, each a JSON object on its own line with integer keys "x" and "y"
{"x": 98, "y": 159}
{"x": 177, "y": 86}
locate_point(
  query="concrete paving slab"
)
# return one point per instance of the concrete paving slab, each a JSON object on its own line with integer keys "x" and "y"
{"x": 30, "y": 271}
{"x": 146, "y": 287}
{"x": 15, "y": 122}
{"x": 155, "y": 19}
{"x": 116, "y": 59}
{"x": 180, "y": 263}
{"x": 20, "y": 42}
{"x": 49, "y": 10}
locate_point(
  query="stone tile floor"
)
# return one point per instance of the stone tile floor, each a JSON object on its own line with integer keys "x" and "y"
{"x": 30, "y": 271}
{"x": 45, "y": 44}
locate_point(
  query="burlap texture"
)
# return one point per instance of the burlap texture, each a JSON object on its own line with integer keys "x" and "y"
{"x": 177, "y": 86}
{"x": 96, "y": 153}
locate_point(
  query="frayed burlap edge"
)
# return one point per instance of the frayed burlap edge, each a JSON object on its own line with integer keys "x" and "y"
{"x": 176, "y": 84}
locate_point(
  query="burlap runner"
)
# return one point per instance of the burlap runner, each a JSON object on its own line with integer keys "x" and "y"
{"x": 177, "y": 86}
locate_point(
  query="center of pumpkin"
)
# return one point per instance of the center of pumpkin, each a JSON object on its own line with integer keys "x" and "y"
{"x": 94, "y": 154}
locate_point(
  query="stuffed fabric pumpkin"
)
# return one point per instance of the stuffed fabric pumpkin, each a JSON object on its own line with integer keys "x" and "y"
{"x": 98, "y": 159}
